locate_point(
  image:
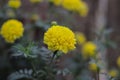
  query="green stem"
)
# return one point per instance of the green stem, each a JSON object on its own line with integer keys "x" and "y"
{"x": 53, "y": 56}
{"x": 32, "y": 64}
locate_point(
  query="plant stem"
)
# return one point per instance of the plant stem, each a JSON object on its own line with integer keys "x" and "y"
{"x": 97, "y": 75}
{"x": 32, "y": 64}
{"x": 53, "y": 56}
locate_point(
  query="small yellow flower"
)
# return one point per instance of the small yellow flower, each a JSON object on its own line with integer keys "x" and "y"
{"x": 12, "y": 30}
{"x": 14, "y": 3}
{"x": 118, "y": 61}
{"x": 80, "y": 38}
{"x": 93, "y": 67}
{"x": 88, "y": 49}
{"x": 60, "y": 38}
{"x": 113, "y": 73}
{"x": 35, "y": 1}
{"x": 83, "y": 10}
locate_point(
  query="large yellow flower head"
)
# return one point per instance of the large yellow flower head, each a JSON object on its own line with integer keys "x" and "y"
{"x": 36, "y": 1}
{"x": 12, "y": 30}
{"x": 60, "y": 38}
{"x": 14, "y": 3}
{"x": 80, "y": 37}
{"x": 88, "y": 49}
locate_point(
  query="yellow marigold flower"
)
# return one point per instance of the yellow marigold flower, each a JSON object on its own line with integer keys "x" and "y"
{"x": 113, "y": 73}
{"x": 60, "y": 38}
{"x": 36, "y": 1}
{"x": 118, "y": 61}
{"x": 12, "y": 30}
{"x": 83, "y": 10}
{"x": 80, "y": 38}
{"x": 78, "y": 6}
{"x": 88, "y": 49}
{"x": 14, "y": 3}
{"x": 72, "y": 5}
{"x": 93, "y": 67}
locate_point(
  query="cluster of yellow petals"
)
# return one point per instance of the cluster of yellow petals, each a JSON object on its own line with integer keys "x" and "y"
{"x": 83, "y": 9}
{"x": 89, "y": 49}
{"x": 12, "y": 30}
{"x": 60, "y": 38}
{"x": 73, "y": 5}
{"x": 14, "y": 3}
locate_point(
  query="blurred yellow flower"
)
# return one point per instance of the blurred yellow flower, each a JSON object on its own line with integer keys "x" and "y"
{"x": 12, "y": 30}
{"x": 83, "y": 10}
{"x": 36, "y": 1}
{"x": 78, "y": 6}
{"x": 60, "y": 38}
{"x": 72, "y": 5}
{"x": 93, "y": 67}
{"x": 14, "y": 3}
{"x": 118, "y": 61}
{"x": 81, "y": 39}
{"x": 89, "y": 49}
{"x": 113, "y": 73}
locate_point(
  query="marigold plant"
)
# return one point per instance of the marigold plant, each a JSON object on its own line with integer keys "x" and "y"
{"x": 72, "y": 5}
{"x": 113, "y": 73}
{"x": 88, "y": 49}
{"x": 12, "y": 30}
{"x": 83, "y": 9}
{"x": 60, "y": 38}
{"x": 14, "y": 3}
